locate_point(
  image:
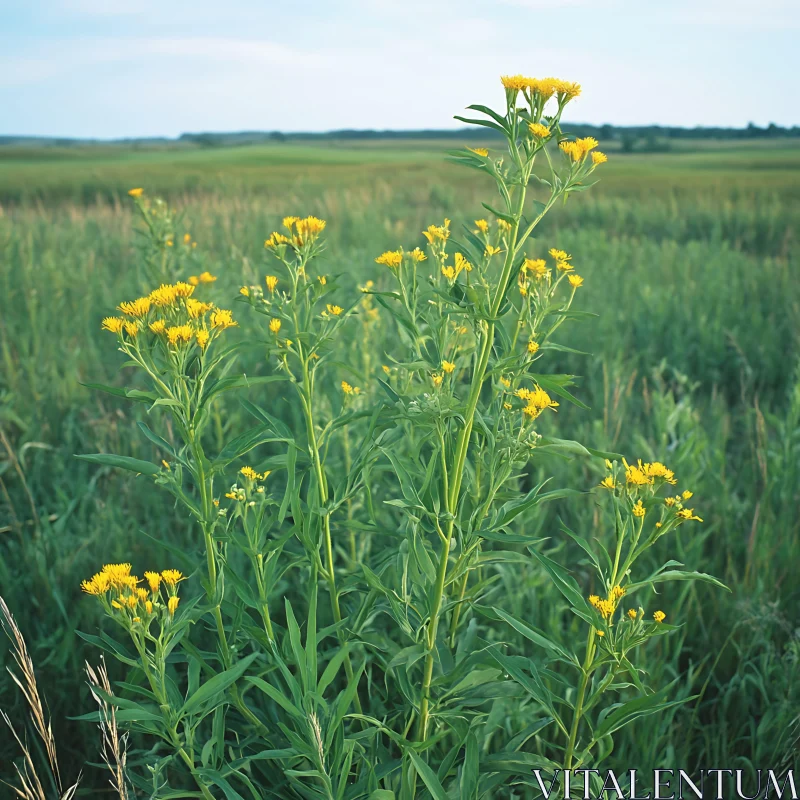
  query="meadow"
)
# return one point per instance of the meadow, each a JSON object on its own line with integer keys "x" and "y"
{"x": 690, "y": 265}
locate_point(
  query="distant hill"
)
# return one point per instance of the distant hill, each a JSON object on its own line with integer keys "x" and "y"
{"x": 640, "y": 137}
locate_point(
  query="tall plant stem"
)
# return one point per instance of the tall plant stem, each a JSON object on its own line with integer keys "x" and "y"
{"x": 322, "y": 490}
{"x": 576, "y": 717}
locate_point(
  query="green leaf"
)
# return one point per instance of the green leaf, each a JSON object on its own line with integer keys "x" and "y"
{"x": 122, "y": 462}
{"x": 162, "y": 444}
{"x": 278, "y": 696}
{"x": 428, "y": 776}
{"x": 680, "y": 575}
{"x": 213, "y": 688}
{"x": 536, "y": 636}
{"x": 499, "y": 214}
{"x": 564, "y": 582}
{"x": 633, "y": 709}
{"x": 546, "y": 382}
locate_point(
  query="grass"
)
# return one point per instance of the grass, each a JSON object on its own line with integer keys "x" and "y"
{"x": 690, "y": 260}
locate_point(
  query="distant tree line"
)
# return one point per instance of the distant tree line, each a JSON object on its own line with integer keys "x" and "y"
{"x": 636, "y": 137}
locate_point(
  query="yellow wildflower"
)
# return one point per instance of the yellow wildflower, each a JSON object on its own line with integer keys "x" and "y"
{"x": 515, "y": 82}
{"x": 136, "y": 308}
{"x": 245, "y": 291}
{"x": 187, "y": 238}
{"x": 196, "y": 309}
{"x": 659, "y": 616}
{"x": 575, "y": 281}
{"x": 639, "y": 510}
{"x": 482, "y": 225}
{"x": 449, "y": 273}
{"x": 608, "y": 483}
{"x": 599, "y": 158}
{"x": 491, "y": 250}
{"x": 322, "y": 280}
{"x": 274, "y": 325}
{"x": 506, "y": 382}
{"x": 202, "y": 337}
{"x": 113, "y": 324}
{"x": 137, "y": 192}
{"x": 535, "y": 265}
{"x": 687, "y": 495}
{"x": 417, "y": 255}
{"x": 180, "y": 334}
{"x": 632, "y": 614}
{"x": 335, "y": 310}
{"x": 448, "y": 366}
{"x": 310, "y": 227}
{"x": 437, "y": 232}
{"x": 172, "y": 576}
{"x": 97, "y": 585}
{"x": 461, "y": 263}
{"x": 669, "y": 501}
{"x": 276, "y": 240}
{"x": 289, "y": 221}
{"x": 391, "y": 258}
{"x": 479, "y": 151}
{"x": 158, "y": 326}
{"x": 688, "y": 514}
{"x": 132, "y": 329}
{"x": 437, "y": 378}
{"x": 222, "y": 319}
{"x": 172, "y": 605}
{"x": 193, "y": 280}
{"x": 347, "y": 388}
{"x": 153, "y": 579}
{"x": 118, "y": 574}
{"x": 533, "y": 347}
{"x": 538, "y": 130}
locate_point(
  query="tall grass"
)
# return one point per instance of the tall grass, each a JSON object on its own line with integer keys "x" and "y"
{"x": 693, "y": 276}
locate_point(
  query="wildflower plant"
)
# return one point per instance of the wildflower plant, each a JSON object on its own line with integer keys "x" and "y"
{"x": 339, "y": 631}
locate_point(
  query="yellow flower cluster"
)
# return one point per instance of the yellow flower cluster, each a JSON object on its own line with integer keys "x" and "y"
{"x": 252, "y": 475}
{"x": 301, "y": 232}
{"x": 349, "y": 390}
{"x": 578, "y": 150}
{"x": 119, "y": 590}
{"x": 171, "y": 312}
{"x": 537, "y": 400}
{"x": 645, "y": 474}
{"x": 479, "y": 151}
{"x": 440, "y": 233}
{"x": 391, "y": 258}
{"x": 460, "y": 265}
{"x": 608, "y": 606}
{"x": 544, "y": 87}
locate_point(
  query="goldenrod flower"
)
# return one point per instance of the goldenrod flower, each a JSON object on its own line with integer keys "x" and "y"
{"x": 172, "y": 605}
{"x": 448, "y": 366}
{"x": 638, "y": 509}
{"x": 335, "y": 310}
{"x": 169, "y": 242}
{"x": 310, "y": 227}
{"x": 118, "y": 574}
{"x": 599, "y": 158}
{"x": 180, "y": 334}
{"x": 492, "y": 251}
{"x": 222, "y": 318}
{"x": 417, "y": 255}
{"x": 449, "y": 273}
{"x": 617, "y": 592}
{"x": 391, "y": 258}
{"x": 538, "y": 401}
{"x": 165, "y": 295}
{"x": 600, "y": 633}
{"x": 659, "y": 616}
{"x": 575, "y": 281}
{"x": 636, "y": 476}
{"x": 437, "y": 232}
{"x": 245, "y": 291}
{"x": 608, "y": 483}
{"x": 506, "y": 382}
{"x": 113, "y": 324}
{"x": 479, "y": 151}
{"x": 669, "y": 501}
{"x": 158, "y": 326}
{"x": 202, "y": 337}
{"x": 196, "y": 309}
{"x": 538, "y": 130}
{"x": 142, "y": 594}
{"x": 347, "y": 388}
{"x": 274, "y": 325}
{"x": 535, "y": 265}
{"x": 482, "y": 225}
{"x": 515, "y": 82}
{"x": 533, "y": 347}
{"x": 503, "y": 225}
{"x": 322, "y": 280}
{"x": 559, "y": 255}
{"x": 523, "y": 289}
{"x": 437, "y": 378}
{"x": 386, "y": 369}
{"x": 97, "y": 585}
{"x": 277, "y": 240}
{"x": 137, "y": 192}
{"x": 187, "y": 238}
{"x": 153, "y": 579}
{"x": 687, "y": 495}
{"x": 132, "y": 329}
{"x": 688, "y": 514}
{"x": 193, "y": 280}
{"x": 289, "y": 221}
{"x": 172, "y": 576}
{"x": 136, "y": 308}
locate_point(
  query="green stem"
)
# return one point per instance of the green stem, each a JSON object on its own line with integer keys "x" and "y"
{"x": 576, "y": 718}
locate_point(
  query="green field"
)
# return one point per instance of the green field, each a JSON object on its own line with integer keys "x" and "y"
{"x": 690, "y": 261}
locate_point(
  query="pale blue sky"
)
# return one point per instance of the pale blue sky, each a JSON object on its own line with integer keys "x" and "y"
{"x": 111, "y": 68}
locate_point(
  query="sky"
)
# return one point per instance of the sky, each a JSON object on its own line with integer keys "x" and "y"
{"x": 133, "y": 68}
